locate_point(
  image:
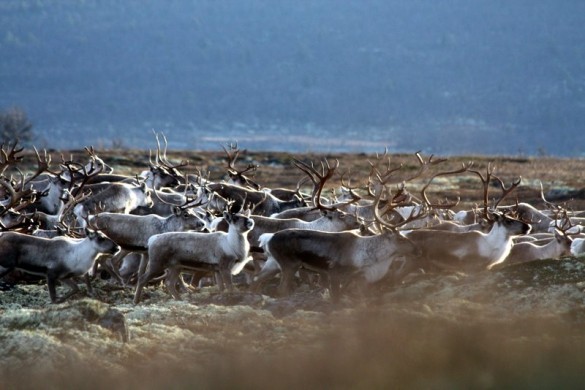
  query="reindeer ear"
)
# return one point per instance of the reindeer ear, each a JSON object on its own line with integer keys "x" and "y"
{"x": 177, "y": 210}
{"x": 227, "y": 216}
{"x": 89, "y": 233}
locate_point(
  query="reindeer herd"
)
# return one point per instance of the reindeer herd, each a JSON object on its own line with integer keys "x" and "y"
{"x": 184, "y": 229}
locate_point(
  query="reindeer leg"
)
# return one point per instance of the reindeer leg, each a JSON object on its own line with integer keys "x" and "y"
{"x": 269, "y": 270}
{"x": 171, "y": 280}
{"x": 87, "y": 280}
{"x": 6, "y": 272}
{"x": 74, "y": 289}
{"x": 287, "y": 274}
{"x": 51, "y": 283}
{"x": 226, "y": 276}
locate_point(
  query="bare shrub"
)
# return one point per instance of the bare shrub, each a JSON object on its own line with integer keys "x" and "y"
{"x": 15, "y": 125}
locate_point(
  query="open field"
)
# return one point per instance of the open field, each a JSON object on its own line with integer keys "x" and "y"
{"x": 516, "y": 327}
{"x": 562, "y": 179}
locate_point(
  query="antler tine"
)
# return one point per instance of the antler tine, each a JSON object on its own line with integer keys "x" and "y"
{"x": 90, "y": 150}
{"x": 158, "y": 159}
{"x": 355, "y": 197}
{"x": 318, "y": 179}
{"x": 424, "y": 165}
{"x": 42, "y": 164}
{"x": 10, "y": 156}
{"x": 164, "y": 159}
{"x": 506, "y": 191}
{"x": 231, "y": 158}
{"x": 486, "y": 182}
{"x": 379, "y": 213}
{"x": 463, "y": 168}
{"x": 550, "y": 205}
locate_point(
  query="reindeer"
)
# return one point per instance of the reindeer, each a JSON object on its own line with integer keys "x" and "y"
{"x": 236, "y": 176}
{"x": 335, "y": 254}
{"x": 472, "y": 250}
{"x": 338, "y": 255}
{"x": 264, "y": 202}
{"x": 58, "y": 259}
{"x": 217, "y": 252}
{"x": 132, "y": 232}
{"x": 117, "y": 197}
{"x": 556, "y": 248}
{"x": 331, "y": 219}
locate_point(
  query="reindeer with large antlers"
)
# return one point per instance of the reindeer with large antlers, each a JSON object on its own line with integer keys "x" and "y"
{"x": 17, "y": 196}
{"x": 472, "y": 250}
{"x": 339, "y": 256}
{"x": 238, "y": 177}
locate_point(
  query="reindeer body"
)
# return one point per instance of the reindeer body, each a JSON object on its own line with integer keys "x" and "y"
{"x": 133, "y": 231}
{"x": 117, "y": 198}
{"x": 217, "y": 251}
{"x": 58, "y": 258}
{"x": 467, "y": 251}
{"x": 264, "y": 202}
{"x": 558, "y": 246}
{"x": 331, "y": 221}
{"x": 335, "y": 254}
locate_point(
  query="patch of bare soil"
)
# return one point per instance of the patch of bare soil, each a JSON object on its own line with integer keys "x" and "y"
{"x": 520, "y": 326}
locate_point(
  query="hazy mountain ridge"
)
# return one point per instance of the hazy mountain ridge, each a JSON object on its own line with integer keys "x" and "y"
{"x": 409, "y": 75}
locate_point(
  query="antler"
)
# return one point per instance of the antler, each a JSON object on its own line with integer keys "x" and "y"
{"x": 506, "y": 191}
{"x": 161, "y": 157}
{"x": 353, "y": 195}
{"x": 318, "y": 178}
{"x": 486, "y": 182}
{"x": 391, "y": 202}
{"x": 78, "y": 170}
{"x": 17, "y": 199}
{"x": 9, "y": 156}
{"x": 389, "y": 172}
{"x": 42, "y": 164}
{"x": 551, "y": 206}
{"x": 69, "y": 205}
{"x": 447, "y": 205}
{"x": 390, "y": 205}
{"x": 238, "y": 175}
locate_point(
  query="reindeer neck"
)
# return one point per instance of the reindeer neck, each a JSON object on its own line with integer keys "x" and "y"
{"x": 237, "y": 242}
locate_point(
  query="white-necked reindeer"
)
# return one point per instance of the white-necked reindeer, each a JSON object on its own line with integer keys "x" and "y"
{"x": 473, "y": 250}
{"x": 217, "y": 252}
{"x": 132, "y": 232}
{"x": 557, "y": 246}
{"x": 58, "y": 259}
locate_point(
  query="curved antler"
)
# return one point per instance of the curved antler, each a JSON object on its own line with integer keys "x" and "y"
{"x": 318, "y": 178}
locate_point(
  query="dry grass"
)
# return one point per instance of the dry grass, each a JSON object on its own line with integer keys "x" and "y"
{"x": 558, "y": 175}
